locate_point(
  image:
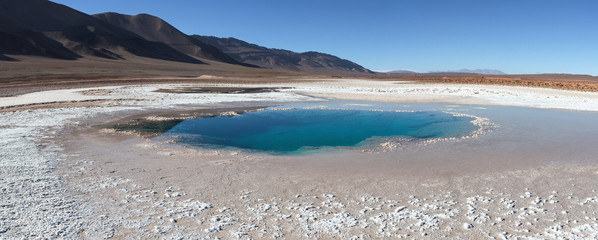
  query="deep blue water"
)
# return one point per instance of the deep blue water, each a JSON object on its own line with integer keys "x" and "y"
{"x": 299, "y": 130}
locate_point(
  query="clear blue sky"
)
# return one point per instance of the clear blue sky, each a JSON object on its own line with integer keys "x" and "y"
{"x": 515, "y": 36}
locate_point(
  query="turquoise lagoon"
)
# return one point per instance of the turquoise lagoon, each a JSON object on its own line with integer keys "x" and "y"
{"x": 301, "y": 130}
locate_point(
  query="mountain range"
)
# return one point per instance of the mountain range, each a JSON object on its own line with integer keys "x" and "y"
{"x": 157, "y": 30}
{"x": 283, "y": 59}
{"x": 44, "y": 28}
{"x": 468, "y": 71}
{"x": 480, "y": 71}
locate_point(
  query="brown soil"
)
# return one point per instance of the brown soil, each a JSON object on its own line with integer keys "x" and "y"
{"x": 561, "y": 81}
{"x": 32, "y": 74}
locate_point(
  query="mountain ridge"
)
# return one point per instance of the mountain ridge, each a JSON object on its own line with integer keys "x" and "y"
{"x": 45, "y": 28}
{"x": 156, "y": 29}
{"x": 310, "y": 61}
{"x": 478, "y": 71}
{"x": 465, "y": 71}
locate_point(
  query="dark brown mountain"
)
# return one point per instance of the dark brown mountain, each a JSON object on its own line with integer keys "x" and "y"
{"x": 283, "y": 59}
{"x": 28, "y": 42}
{"x": 155, "y": 29}
{"x": 44, "y": 28}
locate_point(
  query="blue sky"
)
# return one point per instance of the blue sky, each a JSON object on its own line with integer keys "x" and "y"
{"x": 518, "y": 36}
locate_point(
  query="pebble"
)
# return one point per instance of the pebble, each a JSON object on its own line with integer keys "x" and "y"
{"x": 399, "y": 209}
{"x": 467, "y": 225}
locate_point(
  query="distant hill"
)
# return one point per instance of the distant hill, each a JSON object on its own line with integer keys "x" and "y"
{"x": 283, "y": 59}
{"x": 398, "y": 73}
{"x": 44, "y": 28}
{"x": 155, "y": 29}
{"x": 401, "y": 71}
{"x": 480, "y": 71}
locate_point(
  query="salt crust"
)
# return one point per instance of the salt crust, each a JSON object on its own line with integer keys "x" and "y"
{"x": 34, "y": 202}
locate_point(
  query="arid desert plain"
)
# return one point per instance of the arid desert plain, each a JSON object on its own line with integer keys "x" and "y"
{"x": 527, "y": 171}
{"x": 298, "y": 119}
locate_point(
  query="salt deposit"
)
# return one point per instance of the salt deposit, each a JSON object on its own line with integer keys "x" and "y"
{"x": 37, "y": 201}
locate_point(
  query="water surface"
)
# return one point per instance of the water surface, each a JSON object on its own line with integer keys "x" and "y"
{"x": 300, "y": 130}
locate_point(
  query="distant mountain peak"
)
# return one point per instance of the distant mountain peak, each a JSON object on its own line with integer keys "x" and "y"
{"x": 45, "y": 28}
{"x": 481, "y": 71}
{"x": 310, "y": 61}
{"x": 401, "y": 71}
{"x": 155, "y": 29}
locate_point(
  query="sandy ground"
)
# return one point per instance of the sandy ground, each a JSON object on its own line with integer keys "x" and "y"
{"x": 64, "y": 178}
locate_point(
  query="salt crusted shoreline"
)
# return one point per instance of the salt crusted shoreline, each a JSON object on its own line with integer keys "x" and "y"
{"x": 36, "y": 201}
{"x": 339, "y": 89}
